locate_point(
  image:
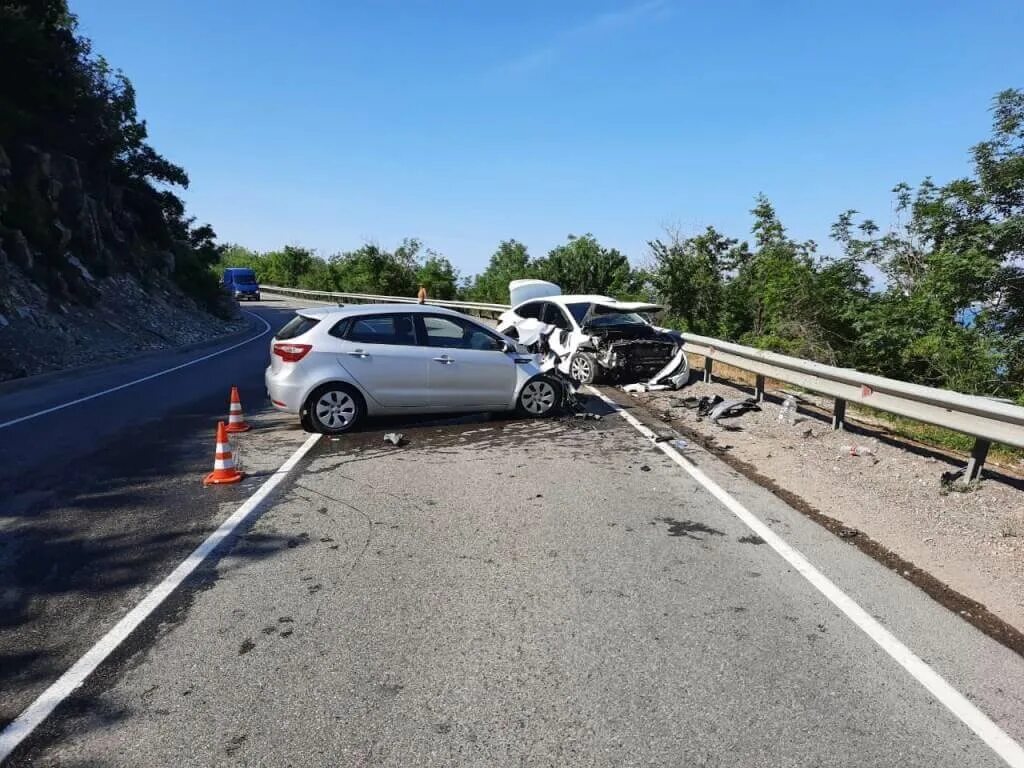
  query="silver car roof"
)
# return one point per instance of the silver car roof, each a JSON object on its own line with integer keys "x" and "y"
{"x": 363, "y": 309}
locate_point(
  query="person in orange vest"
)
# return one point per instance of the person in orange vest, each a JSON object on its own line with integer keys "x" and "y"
{"x": 422, "y": 295}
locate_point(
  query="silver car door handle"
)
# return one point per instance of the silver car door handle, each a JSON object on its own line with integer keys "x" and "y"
{"x": 359, "y": 353}
{"x": 444, "y": 359}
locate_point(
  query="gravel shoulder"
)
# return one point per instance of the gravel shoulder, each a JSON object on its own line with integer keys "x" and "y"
{"x": 971, "y": 540}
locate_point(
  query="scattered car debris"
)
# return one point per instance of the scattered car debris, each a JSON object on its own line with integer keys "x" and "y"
{"x": 732, "y": 408}
{"x": 705, "y": 404}
{"x": 787, "y": 413}
{"x": 954, "y": 481}
{"x": 573, "y": 403}
{"x": 684, "y": 402}
{"x": 948, "y": 478}
{"x": 395, "y": 438}
{"x": 857, "y": 450}
{"x": 676, "y": 373}
{"x": 644, "y": 387}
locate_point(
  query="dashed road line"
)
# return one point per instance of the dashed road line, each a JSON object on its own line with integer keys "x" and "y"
{"x": 20, "y": 728}
{"x": 995, "y": 737}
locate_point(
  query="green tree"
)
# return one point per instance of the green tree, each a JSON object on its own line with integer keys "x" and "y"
{"x": 287, "y": 266}
{"x": 689, "y": 275}
{"x": 511, "y": 261}
{"x": 951, "y": 311}
{"x": 583, "y": 265}
{"x": 371, "y": 269}
{"x": 438, "y": 276}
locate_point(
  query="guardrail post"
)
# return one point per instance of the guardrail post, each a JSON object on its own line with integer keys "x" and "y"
{"x": 708, "y": 363}
{"x": 839, "y": 414}
{"x": 978, "y": 455}
{"x": 759, "y": 388}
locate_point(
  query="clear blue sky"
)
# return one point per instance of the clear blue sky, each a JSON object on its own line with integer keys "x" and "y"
{"x": 328, "y": 123}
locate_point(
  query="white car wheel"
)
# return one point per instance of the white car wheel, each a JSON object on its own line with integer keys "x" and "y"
{"x": 583, "y": 368}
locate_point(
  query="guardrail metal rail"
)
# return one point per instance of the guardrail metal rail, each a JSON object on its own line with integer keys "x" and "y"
{"x": 986, "y": 419}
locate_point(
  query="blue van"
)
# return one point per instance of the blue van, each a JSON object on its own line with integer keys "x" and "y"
{"x": 241, "y": 283}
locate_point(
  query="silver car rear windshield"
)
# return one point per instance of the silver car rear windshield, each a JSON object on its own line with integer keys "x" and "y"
{"x": 297, "y": 326}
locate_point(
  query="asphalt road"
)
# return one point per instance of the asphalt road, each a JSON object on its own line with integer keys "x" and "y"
{"x": 100, "y": 499}
{"x": 499, "y": 592}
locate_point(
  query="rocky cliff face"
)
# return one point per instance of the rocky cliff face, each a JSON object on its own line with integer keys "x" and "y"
{"x": 63, "y": 236}
{"x": 85, "y": 269}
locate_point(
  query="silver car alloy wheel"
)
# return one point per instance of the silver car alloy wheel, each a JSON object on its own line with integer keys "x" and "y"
{"x": 538, "y": 397}
{"x": 579, "y": 368}
{"x": 335, "y": 409}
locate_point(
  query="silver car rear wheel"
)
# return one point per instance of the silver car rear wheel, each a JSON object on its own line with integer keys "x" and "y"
{"x": 334, "y": 409}
{"x": 539, "y": 397}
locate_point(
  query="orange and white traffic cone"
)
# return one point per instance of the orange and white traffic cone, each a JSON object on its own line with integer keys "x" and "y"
{"x": 224, "y": 470}
{"x": 236, "y": 422}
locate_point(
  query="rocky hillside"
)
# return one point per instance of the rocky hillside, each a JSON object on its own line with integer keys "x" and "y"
{"x": 97, "y": 256}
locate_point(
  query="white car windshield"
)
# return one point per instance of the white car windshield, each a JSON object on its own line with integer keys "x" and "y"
{"x": 605, "y": 317}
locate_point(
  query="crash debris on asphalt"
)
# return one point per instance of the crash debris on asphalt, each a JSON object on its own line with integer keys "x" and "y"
{"x": 971, "y": 535}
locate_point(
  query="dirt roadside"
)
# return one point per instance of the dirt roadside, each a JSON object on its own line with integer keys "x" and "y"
{"x": 969, "y": 541}
{"x": 126, "y": 320}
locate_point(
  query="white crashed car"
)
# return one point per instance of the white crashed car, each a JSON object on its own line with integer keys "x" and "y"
{"x": 598, "y": 338}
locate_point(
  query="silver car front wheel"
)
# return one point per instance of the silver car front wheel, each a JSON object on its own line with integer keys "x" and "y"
{"x": 539, "y": 397}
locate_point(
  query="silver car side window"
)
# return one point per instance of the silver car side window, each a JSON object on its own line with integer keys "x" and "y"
{"x": 456, "y": 333}
{"x": 382, "y": 329}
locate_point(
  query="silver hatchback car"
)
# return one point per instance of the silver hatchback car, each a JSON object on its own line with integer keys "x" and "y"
{"x": 336, "y": 365}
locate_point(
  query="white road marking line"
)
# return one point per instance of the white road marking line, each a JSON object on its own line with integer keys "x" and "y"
{"x": 67, "y": 683}
{"x": 93, "y": 396}
{"x": 996, "y": 738}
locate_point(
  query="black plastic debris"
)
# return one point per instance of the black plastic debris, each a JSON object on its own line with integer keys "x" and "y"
{"x": 395, "y": 438}
{"x": 705, "y": 404}
{"x": 732, "y": 408}
{"x": 948, "y": 478}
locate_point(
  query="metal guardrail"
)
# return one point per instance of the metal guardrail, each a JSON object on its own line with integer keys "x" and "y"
{"x": 369, "y": 298}
{"x": 985, "y": 419}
